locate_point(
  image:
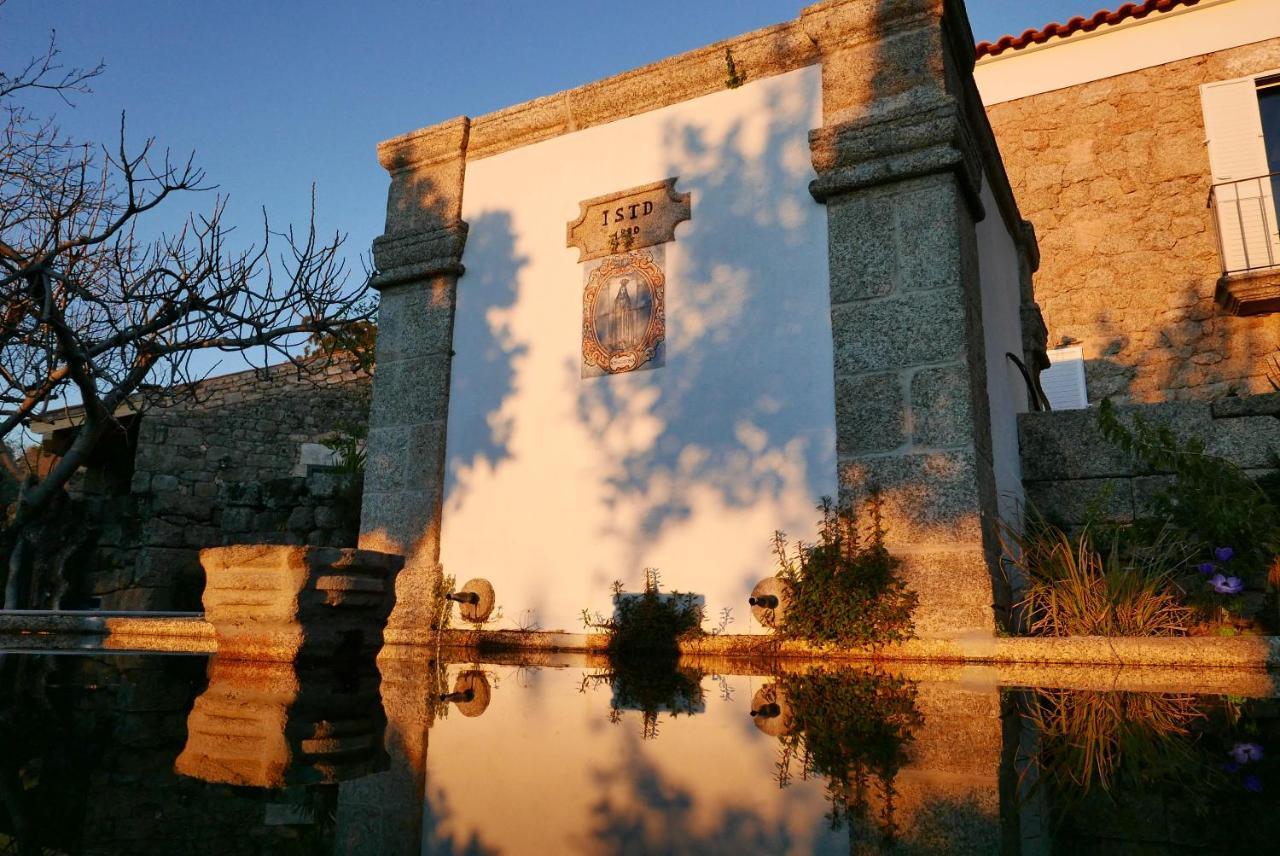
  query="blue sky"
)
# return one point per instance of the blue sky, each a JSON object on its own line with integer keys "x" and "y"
{"x": 273, "y": 95}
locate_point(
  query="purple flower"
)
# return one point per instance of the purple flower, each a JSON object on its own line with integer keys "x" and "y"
{"x": 1223, "y": 554}
{"x": 1252, "y": 784}
{"x": 1243, "y": 753}
{"x": 1226, "y": 585}
{"x": 1206, "y": 568}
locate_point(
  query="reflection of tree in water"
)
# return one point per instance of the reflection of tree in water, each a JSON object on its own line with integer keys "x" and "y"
{"x": 437, "y": 843}
{"x": 852, "y": 727}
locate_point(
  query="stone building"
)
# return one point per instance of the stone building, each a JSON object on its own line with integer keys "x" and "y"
{"x": 838, "y": 300}
{"x": 1142, "y": 144}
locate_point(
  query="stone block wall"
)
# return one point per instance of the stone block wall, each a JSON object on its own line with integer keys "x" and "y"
{"x": 217, "y": 470}
{"x": 1073, "y": 474}
{"x": 1114, "y": 174}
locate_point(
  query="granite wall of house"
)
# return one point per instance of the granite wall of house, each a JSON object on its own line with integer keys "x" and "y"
{"x": 1115, "y": 176}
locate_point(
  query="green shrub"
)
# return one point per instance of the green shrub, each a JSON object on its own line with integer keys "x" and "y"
{"x": 1211, "y": 502}
{"x": 649, "y": 623}
{"x": 841, "y": 591}
{"x": 1072, "y": 589}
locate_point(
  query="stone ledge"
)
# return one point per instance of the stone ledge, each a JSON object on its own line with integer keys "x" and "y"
{"x": 190, "y": 633}
{"x": 1202, "y": 652}
{"x": 1254, "y": 293}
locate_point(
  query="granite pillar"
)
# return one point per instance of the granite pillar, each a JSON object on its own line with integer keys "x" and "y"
{"x": 900, "y": 170}
{"x": 418, "y": 263}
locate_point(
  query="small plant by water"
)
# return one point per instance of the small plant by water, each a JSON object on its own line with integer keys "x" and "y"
{"x": 650, "y": 622}
{"x": 1229, "y": 520}
{"x": 843, "y": 590}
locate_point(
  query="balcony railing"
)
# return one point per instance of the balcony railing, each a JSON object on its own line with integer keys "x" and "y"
{"x": 1244, "y": 215}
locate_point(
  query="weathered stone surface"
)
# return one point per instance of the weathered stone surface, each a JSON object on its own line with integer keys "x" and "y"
{"x": 941, "y": 415}
{"x": 862, "y": 242}
{"x": 899, "y": 331}
{"x": 928, "y": 498}
{"x": 1232, "y": 406}
{"x": 1066, "y": 444}
{"x": 871, "y": 413}
{"x": 956, "y": 591}
{"x": 410, "y": 392}
{"x": 416, "y": 322}
{"x": 286, "y": 603}
{"x": 1083, "y": 500}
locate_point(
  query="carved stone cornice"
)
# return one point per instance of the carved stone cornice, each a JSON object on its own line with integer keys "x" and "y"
{"x": 425, "y": 146}
{"x": 416, "y": 256}
{"x": 883, "y": 149}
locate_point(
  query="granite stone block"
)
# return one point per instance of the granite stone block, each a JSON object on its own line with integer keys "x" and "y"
{"x": 871, "y": 414}
{"x": 863, "y": 242}
{"x": 941, "y": 414}
{"x": 897, "y": 332}
{"x": 927, "y": 498}
{"x": 1081, "y": 501}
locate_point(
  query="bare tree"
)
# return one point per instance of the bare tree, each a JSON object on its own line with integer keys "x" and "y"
{"x": 98, "y": 314}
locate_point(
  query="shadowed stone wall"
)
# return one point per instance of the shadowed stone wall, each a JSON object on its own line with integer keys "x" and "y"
{"x": 1073, "y": 474}
{"x": 215, "y": 471}
{"x": 1115, "y": 175}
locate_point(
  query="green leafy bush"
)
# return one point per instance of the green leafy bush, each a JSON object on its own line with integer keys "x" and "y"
{"x": 840, "y": 590}
{"x": 1211, "y": 504}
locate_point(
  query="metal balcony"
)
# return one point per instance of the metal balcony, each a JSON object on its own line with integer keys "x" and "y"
{"x": 1244, "y": 215}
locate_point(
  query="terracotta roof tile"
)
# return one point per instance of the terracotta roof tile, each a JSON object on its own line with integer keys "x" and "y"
{"x": 1100, "y": 18}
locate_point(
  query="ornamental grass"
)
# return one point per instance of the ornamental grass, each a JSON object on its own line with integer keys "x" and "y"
{"x": 1070, "y": 588}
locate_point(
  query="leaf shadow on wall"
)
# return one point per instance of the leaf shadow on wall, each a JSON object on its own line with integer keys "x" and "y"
{"x": 481, "y": 433}
{"x": 748, "y": 347}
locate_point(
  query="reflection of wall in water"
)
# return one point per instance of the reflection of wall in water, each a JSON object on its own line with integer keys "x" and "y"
{"x": 109, "y": 778}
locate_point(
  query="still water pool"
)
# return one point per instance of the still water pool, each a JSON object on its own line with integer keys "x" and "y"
{"x": 129, "y": 753}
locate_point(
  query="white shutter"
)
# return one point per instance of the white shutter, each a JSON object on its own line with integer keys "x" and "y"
{"x": 1237, "y": 153}
{"x": 1063, "y": 381}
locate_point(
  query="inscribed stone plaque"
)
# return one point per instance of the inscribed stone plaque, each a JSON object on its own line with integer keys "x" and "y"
{"x": 628, "y": 220}
{"x": 624, "y": 318}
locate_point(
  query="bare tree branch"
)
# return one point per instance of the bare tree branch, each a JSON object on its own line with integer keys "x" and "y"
{"x": 94, "y": 313}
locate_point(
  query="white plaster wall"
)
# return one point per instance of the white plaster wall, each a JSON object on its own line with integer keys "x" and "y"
{"x": 1002, "y": 331}
{"x": 558, "y": 485}
{"x": 1212, "y": 25}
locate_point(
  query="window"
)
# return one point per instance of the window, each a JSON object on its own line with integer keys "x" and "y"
{"x": 1269, "y": 111}
{"x": 1242, "y": 121}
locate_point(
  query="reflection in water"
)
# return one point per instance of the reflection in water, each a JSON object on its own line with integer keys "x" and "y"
{"x": 1171, "y": 770}
{"x": 268, "y": 725}
{"x": 852, "y": 728}
{"x": 651, "y": 687}
{"x": 869, "y": 760}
